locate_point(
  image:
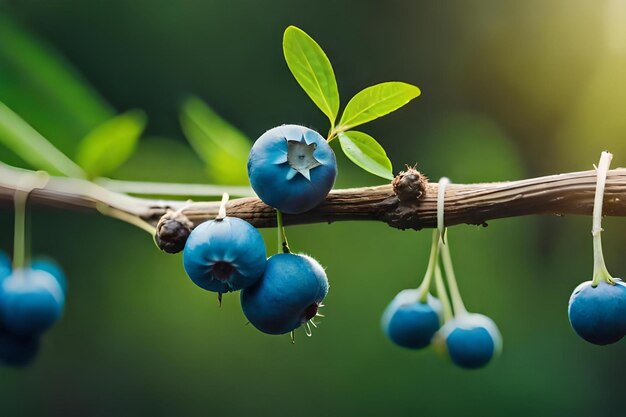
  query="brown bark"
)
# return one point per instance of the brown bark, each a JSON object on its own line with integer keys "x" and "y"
{"x": 563, "y": 194}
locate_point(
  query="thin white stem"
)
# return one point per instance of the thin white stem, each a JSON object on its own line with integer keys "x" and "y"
{"x": 455, "y": 294}
{"x": 21, "y": 241}
{"x": 600, "y": 272}
{"x": 173, "y": 189}
{"x": 443, "y": 295}
{"x": 125, "y": 217}
{"x": 222, "y": 211}
{"x": 430, "y": 269}
{"x": 441, "y": 195}
{"x": 19, "y": 232}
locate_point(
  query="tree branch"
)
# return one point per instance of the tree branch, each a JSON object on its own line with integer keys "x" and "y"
{"x": 563, "y": 194}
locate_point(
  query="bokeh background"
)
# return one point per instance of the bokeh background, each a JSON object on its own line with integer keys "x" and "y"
{"x": 509, "y": 90}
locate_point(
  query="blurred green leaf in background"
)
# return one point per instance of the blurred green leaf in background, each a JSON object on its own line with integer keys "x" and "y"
{"x": 38, "y": 83}
{"x": 222, "y": 147}
{"x": 33, "y": 148}
{"x": 110, "y": 144}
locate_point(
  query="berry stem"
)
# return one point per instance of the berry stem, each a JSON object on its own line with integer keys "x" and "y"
{"x": 21, "y": 239}
{"x": 221, "y": 214}
{"x": 455, "y": 294}
{"x": 432, "y": 261}
{"x": 441, "y": 194}
{"x": 283, "y": 245}
{"x": 19, "y": 234}
{"x": 443, "y": 294}
{"x": 600, "y": 272}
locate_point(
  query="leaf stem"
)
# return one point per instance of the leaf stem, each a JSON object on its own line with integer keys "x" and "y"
{"x": 600, "y": 272}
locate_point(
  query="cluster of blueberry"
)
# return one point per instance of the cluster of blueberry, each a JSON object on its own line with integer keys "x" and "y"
{"x": 31, "y": 301}
{"x": 292, "y": 169}
{"x": 32, "y": 292}
{"x": 414, "y": 319}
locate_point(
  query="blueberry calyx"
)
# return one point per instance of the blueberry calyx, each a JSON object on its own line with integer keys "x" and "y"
{"x": 222, "y": 270}
{"x": 310, "y": 312}
{"x": 300, "y": 158}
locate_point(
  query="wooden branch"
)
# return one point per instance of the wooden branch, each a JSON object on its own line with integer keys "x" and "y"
{"x": 564, "y": 194}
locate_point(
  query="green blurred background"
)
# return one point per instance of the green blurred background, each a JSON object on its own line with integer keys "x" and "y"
{"x": 509, "y": 90}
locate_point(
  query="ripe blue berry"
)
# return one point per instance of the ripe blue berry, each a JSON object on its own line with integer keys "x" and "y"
{"x": 292, "y": 168}
{"x": 471, "y": 340}
{"x": 53, "y": 268}
{"x": 31, "y": 301}
{"x": 5, "y": 266}
{"x": 598, "y": 314}
{"x": 224, "y": 255}
{"x": 410, "y": 323}
{"x": 16, "y": 350}
{"x": 287, "y": 296}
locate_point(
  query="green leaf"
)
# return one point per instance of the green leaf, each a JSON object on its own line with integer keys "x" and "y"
{"x": 222, "y": 147}
{"x": 312, "y": 69}
{"x": 110, "y": 144}
{"x": 363, "y": 150}
{"x": 376, "y": 101}
{"x": 38, "y": 83}
{"x": 33, "y": 148}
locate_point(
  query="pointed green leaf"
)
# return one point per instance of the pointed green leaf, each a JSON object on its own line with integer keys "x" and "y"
{"x": 376, "y": 101}
{"x": 37, "y": 82}
{"x": 363, "y": 150}
{"x": 223, "y": 147}
{"x": 312, "y": 69}
{"x": 110, "y": 144}
{"x": 33, "y": 148}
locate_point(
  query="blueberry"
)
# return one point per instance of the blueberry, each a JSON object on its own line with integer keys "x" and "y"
{"x": 292, "y": 168}
{"x": 287, "y": 296}
{"x": 598, "y": 314}
{"x": 224, "y": 255}
{"x": 17, "y": 350}
{"x": 471, "y": 340}
{"x": 53, "y": 268}
{"x": 31, "y": 301}
{"x": 5, "y": 266}
{"x": 410, "y": 323}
